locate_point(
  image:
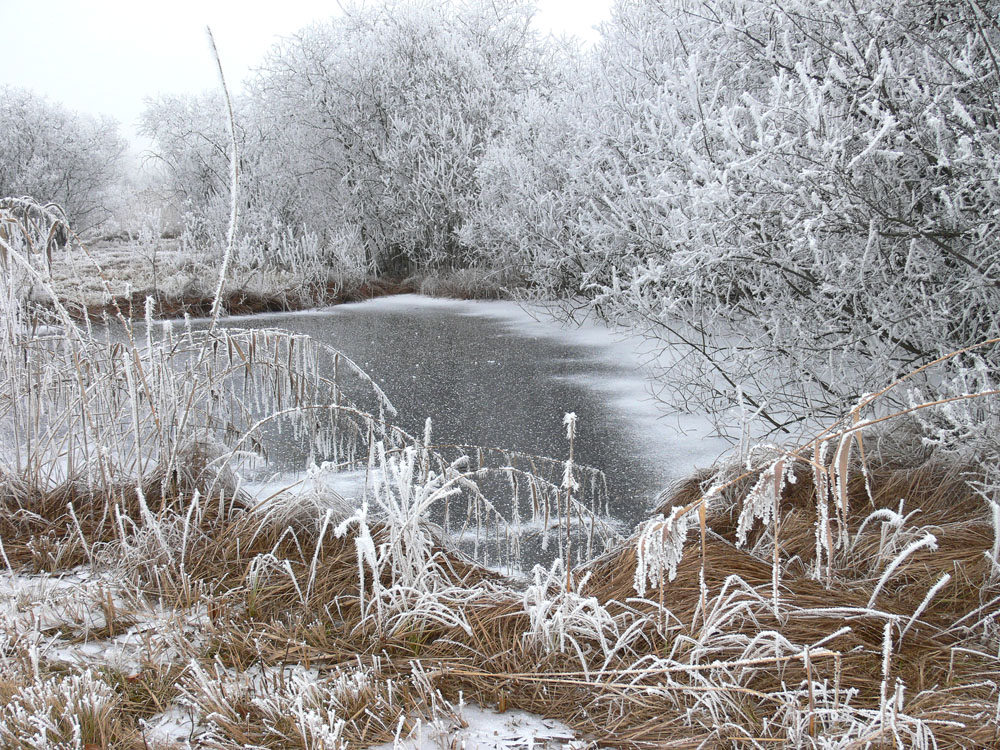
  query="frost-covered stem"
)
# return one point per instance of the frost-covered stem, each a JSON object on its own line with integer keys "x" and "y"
{"x": 570, "y": 421}
{"x": 943, "y": 581}
{"x": 824, "y": 532}
{"x": 928, "y": 540}
{"x": 994, "y": 555}
{"x": 703, "y": 527}
{"x": 136, "y": 426}
{"x": 837, "y": 674}
{"x": 425, "y": 458}
{"x": 807, "y": 662}
{"x": 79, "y": 531}
{"x": 6, "y": 561}
{"x": 839, "y": 470}
{"x": 776, "y": 562}
{"x": 886, "y": 666}
{"x": 148, "y": 315}
{"x": 234, "y": 176}
{"x": 316, "y": 554}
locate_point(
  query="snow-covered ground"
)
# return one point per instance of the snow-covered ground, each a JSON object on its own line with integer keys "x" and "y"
{"x": 63, "y": 610}
{"x": 477, "y": 728}
{"x": 57, "y": 611}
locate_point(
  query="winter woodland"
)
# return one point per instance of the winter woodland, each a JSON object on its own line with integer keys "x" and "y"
{"x": 796, "y": 204}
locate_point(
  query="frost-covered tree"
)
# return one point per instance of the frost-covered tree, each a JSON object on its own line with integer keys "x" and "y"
{"x": 366, "y": 130}
{"x": 59, "y": 156}
{"x": 536, "y": 180}
{"x": 191, "y": 151}
{"x": 803, "y": 195}
{"x": 192, "y": 148}
{"x": 392, "y": 107}
{"x": 190, "y": 143}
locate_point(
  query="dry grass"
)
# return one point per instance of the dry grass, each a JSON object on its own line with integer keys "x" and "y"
{"x": 702, "y": 658}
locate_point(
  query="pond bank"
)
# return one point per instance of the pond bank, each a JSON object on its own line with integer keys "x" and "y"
{"x": 116, "y": 276}
{"x": 241, "y": 301}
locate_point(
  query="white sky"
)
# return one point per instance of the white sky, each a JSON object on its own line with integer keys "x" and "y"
{"x": 107, "y": 56}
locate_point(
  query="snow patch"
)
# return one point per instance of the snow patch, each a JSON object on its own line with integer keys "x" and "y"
{"x": 173, "y": 725}
{"x": 485, "y": 729}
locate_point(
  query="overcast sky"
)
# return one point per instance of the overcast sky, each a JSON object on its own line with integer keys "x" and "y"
{"x": 107, "y": 56}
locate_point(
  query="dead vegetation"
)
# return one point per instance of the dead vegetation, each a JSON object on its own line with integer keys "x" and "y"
{"x": 883, "y": 653}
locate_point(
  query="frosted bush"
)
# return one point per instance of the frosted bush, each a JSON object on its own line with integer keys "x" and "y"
{"x": 409, "y": 552}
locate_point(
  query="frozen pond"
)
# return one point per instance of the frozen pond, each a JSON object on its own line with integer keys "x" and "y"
{"x": 489, "y": 374}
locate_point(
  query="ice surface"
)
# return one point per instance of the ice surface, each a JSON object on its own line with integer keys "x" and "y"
{"x": 349, "y": 485}
{"x": 499, "y": 375}
{"x": 685, "y": 440}
{"x": 688, "y": 439}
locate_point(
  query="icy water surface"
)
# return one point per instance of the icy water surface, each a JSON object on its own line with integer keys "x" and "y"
{"x": 490, "y": 375}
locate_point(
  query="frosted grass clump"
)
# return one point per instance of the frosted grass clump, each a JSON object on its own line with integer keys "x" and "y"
{"x": 404, "y": 547}
{"x": 295, "y": 706}
{"x": 58, "y": 713}
{"x": 265, "y": 706}
{"x": 566, "y": 621}
{"x": 660, "y": 547}
{"x": 404, "y": 502}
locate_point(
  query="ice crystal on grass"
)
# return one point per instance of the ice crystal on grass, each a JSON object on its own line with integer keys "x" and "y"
{"x": 763, "y": 499}
{"x": 928, "y": 541}
{"x": 59, "y": 713}
{"x": 566, "y": 621}
{"x": 659, "y": 548}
